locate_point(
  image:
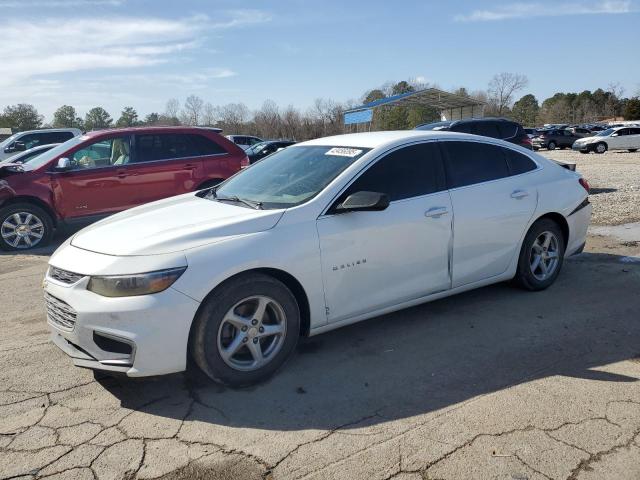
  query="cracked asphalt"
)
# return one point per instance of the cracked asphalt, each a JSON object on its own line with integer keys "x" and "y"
{"x": 494, "y": 383}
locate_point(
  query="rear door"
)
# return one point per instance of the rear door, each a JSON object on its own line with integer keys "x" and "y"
{"x": 634, "y": 138}
{"x": 371, "y": 260}
{"x": 94, "y": 185}
{"x": 163, "y": 165}
{"x": 493, "y": 201}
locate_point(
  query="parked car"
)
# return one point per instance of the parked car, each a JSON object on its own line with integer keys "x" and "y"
{"x": 244, "y": 141}
{"x": 28, "y": 155}
{"x": 501, "y": 128}
{"x": 261, "y": 150}
{"x": 580, "y": 131}
{"x": 620, "y": 138}
{"x": 554, "y": 138}
{"x": 22, "y": 141}
{"x": 531, "y": 132}
{"x": 103, "y": 172}
{"x": 319, "y": 235}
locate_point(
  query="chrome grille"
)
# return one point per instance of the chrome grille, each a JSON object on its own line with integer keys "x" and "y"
{"x": 64, "y": 276}
{"x": 60, "y": 313}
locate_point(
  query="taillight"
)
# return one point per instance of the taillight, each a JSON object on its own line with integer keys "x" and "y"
{"x": 584, "y": 184}
{"x": 244, "y": 163}
{"x": 527, "y": 141}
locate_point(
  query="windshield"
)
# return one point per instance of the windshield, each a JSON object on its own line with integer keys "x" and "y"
{"x": 605, "y": 133}
{"x": 46, "y": 157}
{"x": 289, "y": 177}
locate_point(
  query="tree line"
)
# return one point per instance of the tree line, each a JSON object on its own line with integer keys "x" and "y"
{"x": 325, "y": 117}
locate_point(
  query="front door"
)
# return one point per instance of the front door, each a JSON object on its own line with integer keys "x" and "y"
{"x": 372, "y": 260}
{"x": 94, "y": 185}
{"x": 493, "y": 201}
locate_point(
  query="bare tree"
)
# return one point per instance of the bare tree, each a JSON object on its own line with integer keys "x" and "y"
{"x": 267, "y": 120}
{"x": 173, "y": 108}
{"x": 502, "y": 88}
{"x": 208, "y": 115}
{"x": 192, "y": 110}
{"x": 234, "y": 118}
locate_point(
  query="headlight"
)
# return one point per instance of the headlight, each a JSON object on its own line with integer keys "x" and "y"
{"x": 137, "y": 284}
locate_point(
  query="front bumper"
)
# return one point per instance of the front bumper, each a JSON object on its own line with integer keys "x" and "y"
{"x": 585, "y": 147}
{"x": 139, "y": 336}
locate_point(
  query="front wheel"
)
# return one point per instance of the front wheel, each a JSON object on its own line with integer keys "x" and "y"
{"x": 601, "y": 148}
{"x": 245, "y": 330}
{"x": 541, "y": 256}
{"x": 551, "y": 146}
{"x": 24, "y": 226}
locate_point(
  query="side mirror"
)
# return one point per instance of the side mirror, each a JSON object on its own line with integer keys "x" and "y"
{"x": 614, "y": 134}
{"x": 364, "y": 202}
{"x": 63, "y": 165}
{"x": 19, "y": 147}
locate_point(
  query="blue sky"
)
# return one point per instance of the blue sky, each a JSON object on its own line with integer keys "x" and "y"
{"x": 115, "y": 53}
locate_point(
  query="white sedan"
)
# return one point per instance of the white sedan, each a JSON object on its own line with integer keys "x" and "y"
{"x": 620, "y": 138}
{"x": 317, "y": 236}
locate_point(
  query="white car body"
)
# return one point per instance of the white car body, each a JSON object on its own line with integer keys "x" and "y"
{"x": 34, "y": 138}
{"x": 27, "y": 155}
{"x": 349, "y": 267}
{"x": 619, "y": 138}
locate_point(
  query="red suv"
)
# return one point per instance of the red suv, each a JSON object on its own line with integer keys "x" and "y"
{"x": 103, "y": 172}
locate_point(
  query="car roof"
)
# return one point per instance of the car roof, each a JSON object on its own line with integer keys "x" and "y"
{"x": 47, "y": 130}
{"x": 389, "y": 138}
{"x": 176, "y": 129}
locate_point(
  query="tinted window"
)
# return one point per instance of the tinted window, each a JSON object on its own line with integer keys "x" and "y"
{"x": 407, "y": 172}
{"x": 57, "y": 137}
{"x": 634, "y": 131}
{"x": 507, "y": 130}
{"x": 206, "y": 146}
{"x": 472, "y": 162}
{"x": 164, "y": 146}
{"x": 488, "y": 129}
{"x": 623, "y": 131}
{"x": 518, "y": 162}
{"x": 30, "y": 140}
{"x": 464, "y": 128}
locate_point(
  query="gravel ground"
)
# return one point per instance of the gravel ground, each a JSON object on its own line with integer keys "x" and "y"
{"x": 615, "y": 183}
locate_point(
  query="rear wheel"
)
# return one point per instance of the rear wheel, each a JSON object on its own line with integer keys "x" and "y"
{"x": 246, "y": 330}
{"x": 551, "y": 145}
{"x": 600, "y": 147}
{"x": 541, "y": 256}
{"x": 24, "y": 226}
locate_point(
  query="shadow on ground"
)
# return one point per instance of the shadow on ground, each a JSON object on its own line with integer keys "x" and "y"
{"x": 428, "y": 357}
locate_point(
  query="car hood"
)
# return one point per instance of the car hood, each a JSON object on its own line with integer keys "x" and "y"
{"x": 171, "y": 225}
{"x": 588, "y": 140}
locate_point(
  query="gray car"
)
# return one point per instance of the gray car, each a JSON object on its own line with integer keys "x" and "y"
{"x": 22, "y": 141}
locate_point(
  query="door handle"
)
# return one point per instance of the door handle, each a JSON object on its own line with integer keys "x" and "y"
{"x": 518, "y": 194}
{"x": 189, "y": 166}
{"x": 122, "y": 174}
{"x": 436, "y": 212}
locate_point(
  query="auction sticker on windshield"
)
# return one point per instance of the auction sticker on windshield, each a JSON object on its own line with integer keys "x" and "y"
{"x": 344, "y": 152}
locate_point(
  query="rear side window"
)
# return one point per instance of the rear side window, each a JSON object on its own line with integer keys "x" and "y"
{"x": 56, "y": 137}
{"x": 464, "y": 128}
{"x": 507, "y": 130}
{"x": 518, "y": 162}
{"x": 407, "y": 172}
{"x": 150, "y": 148}
{"x": 206, "y": 146}
{"x": 488, "y": 129}
{"x": 635, "y": 131}
{"x": 472, "y": 162}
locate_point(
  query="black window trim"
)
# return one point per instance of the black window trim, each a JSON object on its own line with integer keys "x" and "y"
{"x": 443, "y": 155}
{"x": 327, "y": 210}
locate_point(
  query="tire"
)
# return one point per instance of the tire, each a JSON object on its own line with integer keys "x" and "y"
{"x": 633, "y": 150}
{"x": 530, "y": 275}
{"x": 212, "y": 331}
{"x": 600, "y": 148}
{"x": 24, "y": 226}
{"x": 551, "y": 145}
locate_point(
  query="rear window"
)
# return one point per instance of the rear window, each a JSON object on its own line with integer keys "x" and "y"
{"x": 468, "y": 163}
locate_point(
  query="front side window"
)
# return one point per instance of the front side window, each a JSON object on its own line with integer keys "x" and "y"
{"x": 408, "y": 172}
{"x": 289, "y": 177}
{"x": 103, "y": 153}
{"x": 31, "y": 140}
{"x": 468, "y": 163}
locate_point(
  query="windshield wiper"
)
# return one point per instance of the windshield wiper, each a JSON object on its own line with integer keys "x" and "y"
{"x": 235, "y": 198}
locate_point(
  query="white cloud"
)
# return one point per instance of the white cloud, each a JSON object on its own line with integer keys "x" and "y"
{"x": 64, "y": 45}
{"x": 555, "y": 9}
{"x": 57, "y": 3}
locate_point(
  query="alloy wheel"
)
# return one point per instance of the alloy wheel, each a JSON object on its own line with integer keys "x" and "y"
{"x": 252, "y": 333}
{"x": 22, "y": 230}
{"x": 544, "y": 256}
